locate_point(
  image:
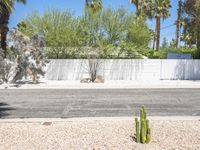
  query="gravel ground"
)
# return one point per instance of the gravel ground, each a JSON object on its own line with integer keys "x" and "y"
{"x": 98, "y": 135}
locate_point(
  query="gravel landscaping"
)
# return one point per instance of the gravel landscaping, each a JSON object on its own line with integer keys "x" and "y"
{"x": 98, "y": 134}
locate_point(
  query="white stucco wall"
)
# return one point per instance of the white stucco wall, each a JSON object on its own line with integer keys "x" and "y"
{"x": 126, "y": 69}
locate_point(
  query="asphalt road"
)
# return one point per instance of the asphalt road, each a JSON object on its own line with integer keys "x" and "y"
{"x": 98, "y": 102}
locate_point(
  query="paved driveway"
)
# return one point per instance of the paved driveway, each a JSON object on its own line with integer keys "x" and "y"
{"x": 98, "y": 102}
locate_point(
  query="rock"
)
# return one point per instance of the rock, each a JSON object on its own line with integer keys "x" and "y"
{"x": 99, "y": 79}
{"x": 47, "y": 123}
{"x": 85, "y": 80}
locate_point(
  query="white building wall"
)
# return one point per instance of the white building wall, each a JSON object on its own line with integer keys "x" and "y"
{"x": 126, "y": 69}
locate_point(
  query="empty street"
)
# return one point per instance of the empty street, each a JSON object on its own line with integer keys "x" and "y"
{"x": 63, "y": 103}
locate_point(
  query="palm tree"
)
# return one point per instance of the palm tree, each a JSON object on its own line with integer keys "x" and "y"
{"x": 143, "y": 8}
{"x": 161, "y": 11}
{"x": 187, "y": 38}
{"x": 197, "y": 6}
{"x": 178, "y": 23}
{"x": 137, "y": 4}
{"x": 7, "y": 7}
{"x": 94, "y": 5}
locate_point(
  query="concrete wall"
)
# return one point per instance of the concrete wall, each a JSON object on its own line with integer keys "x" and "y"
{"x": 126, "y": 69}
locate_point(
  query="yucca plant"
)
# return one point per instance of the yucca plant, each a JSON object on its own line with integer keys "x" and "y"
{"x": 143, "y": 131}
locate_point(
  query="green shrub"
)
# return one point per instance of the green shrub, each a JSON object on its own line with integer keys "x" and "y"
{"x": 116, "y": 32}
{"x": 162, "y": 54}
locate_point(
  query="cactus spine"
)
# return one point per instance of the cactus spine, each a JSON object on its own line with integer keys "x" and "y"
{"x": 143, "y": 132}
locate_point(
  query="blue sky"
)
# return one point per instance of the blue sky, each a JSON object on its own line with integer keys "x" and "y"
{"x": 77, "y": 6}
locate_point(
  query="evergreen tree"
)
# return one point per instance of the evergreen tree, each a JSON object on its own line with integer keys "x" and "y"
{"x": 165, "y": 43}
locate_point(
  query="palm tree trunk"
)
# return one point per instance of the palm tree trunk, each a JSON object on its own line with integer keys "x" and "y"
{"x": 198, "y": 34}
{"x": 157, "y": 33}
{"x": 4, "y": 31}
{"x": 154, "y": 41}
{"x": 154, "y": 38}
{"x": 178, "y": 24}
{"x": 198, "y": 41}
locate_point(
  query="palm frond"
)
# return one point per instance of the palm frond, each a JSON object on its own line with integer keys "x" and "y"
{"x": 6, "y": 6}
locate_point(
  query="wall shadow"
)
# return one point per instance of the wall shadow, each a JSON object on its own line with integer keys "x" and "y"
{"x": 187, "y": 70}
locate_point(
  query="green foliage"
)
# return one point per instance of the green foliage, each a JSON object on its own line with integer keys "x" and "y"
{"x": 162, "y": 8}
{"x": 191, "y": 28}
{"x": 144, "y": 135}
{"x": 6, "y": 5}
{"x": 138, "y": 32}
{"x": 117, "y": 33}
{"x": 162, "y": 54}
{"x": 94, "y": 6}
{"x": 58, "y": 27}
{"x": 6, "y": 8}
{"x": 113, "y": 22}
{"x": 165, "y": 43}
{"x": 143, "y": 8}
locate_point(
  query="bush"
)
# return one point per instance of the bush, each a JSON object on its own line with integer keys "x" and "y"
{"x": 26, "y": 58}
{"x": 162, "y": 54}
{"x": 116, "y": 32}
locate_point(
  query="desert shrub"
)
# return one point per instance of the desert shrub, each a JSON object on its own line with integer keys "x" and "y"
{"x": 116, "y": 32}
{"x": 27, "y": 61}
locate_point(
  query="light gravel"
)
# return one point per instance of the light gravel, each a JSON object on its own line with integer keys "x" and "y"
{"x": 101, "y": 134}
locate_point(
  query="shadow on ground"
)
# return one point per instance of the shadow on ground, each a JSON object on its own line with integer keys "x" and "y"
{"x": 4, "y": 110}
{"x": 18, "y": 84}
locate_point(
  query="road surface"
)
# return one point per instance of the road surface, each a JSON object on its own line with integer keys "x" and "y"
{"x": 65, "y": 103}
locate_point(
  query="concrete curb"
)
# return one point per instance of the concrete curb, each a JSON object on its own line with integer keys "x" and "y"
{"x": 102, "y": 87}
{"x": 155, "y": 118}
{"x": 118, "y": 84}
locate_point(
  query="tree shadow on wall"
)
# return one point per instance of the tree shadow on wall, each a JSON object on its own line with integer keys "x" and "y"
{"x": 4, "y": 110}
{"x": 125, "y": 69}
{"x": 187, "y": 70}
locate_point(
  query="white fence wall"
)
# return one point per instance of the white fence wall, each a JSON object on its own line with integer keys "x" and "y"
{"x": 126, "y": 69}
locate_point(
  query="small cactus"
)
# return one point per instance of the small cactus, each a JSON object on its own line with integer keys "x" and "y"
{"x": 143, "y": 131}
{"x": 148, "y": 135}
{"x": 137, "y": 126}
